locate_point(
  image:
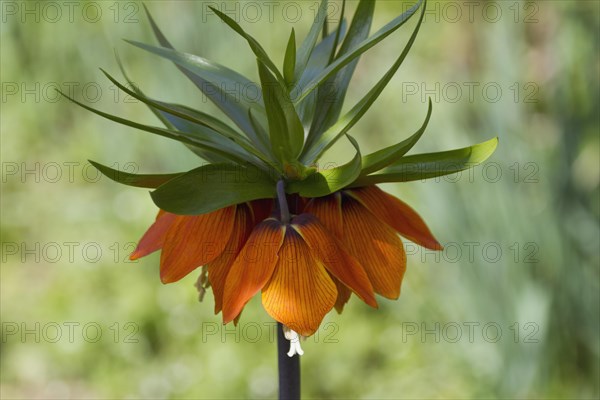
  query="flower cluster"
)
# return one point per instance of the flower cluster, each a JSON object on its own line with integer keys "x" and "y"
{"x": 305, "y": 238}
{"x": 329, "y": 248}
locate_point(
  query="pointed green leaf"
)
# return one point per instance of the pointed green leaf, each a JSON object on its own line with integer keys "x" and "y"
{"x": 217, "y": 83}
{"x": 172, "y": 122}
{"x": 317, "y": 62}
{"x": 319, "y": 58}
{"x": 431, "y": 165}
{"x": 233, "y": 152}
{"x": 257, "y": 49}
{"x": 212, "y": 187}
{"x": 365, "y": 45}
{"x": 125, "y": 178}
{"x": 229, "y": 110}
{"x": 289, "y": 62}
{"x": 328, "y": 181}
{"x": 309, "y": 42}
{"x": 183, "y": 112}
{"x": 215, "y": 126}
{"x": 347, "y": 121}
{"x": 285, "y": 129}
{"x": 338, "y": 32}
{"x": 330, "y": 95}
{"x": 387, "y": 156}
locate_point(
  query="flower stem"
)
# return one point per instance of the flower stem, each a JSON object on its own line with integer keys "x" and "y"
{"x": 283, "y": 205}
{"x": 289, "y": 368}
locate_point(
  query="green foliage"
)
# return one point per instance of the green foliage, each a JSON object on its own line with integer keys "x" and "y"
{"x": 211, "y": 187}
{"x": 282, "y": 132}
{"x": 331, "y": 180}
{"x": 432, "y": 165}
{"x": 136, "y": 180}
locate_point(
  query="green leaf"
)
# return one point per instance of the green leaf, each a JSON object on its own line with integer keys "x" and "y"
{"x": 212, "y": 187}
{"x": 349, "y": 119}
{"x": 183, "y": 112}
{"x": 217, "y": 83}
{"x": 431, "y": 165}
{"x": 309, "y": 42}
{"x": 289, "y": 62}
{"x": 285, "y": 128}
{"x": 363, "y": 46}
{"x": 317, "y": 62}
{"x": 232, "y": 153}
{"x": 215, "y": 127}
{"x": 338, "y": 33}
{"x": 384, "y": 157}
{"x": 331, "y": 94}
{"x": 261, "y": 141}
{"x": 328, "y": 181}
{"x": 172, "y": 122}
{"x": 125, "y": 178}
{"x": 257, "y": 49}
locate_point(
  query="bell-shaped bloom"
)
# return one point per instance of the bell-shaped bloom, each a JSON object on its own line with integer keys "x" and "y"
{"x": 294, "y": 265}
{"x": 367, "y": 221}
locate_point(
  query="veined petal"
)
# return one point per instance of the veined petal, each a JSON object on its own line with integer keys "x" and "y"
{"x": 154, "y": 237}
{"x": 300, "y": 291}
{"x": 193, "y": 241}
{"x": 396, "y": 214}
{"x": 220, "y": 267}
{"x": 326, "y": 249}
{"x": 343, "y": 295}
{"x": 328, "y": 210}
{"x": 376, "y": 246}
{"x": 253, "y": 267}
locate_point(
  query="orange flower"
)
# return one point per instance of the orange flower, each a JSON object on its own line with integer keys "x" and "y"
{"x": 366, "y": 220}
{"x": 339, "y": 244}
{"x": 295, "y": 266}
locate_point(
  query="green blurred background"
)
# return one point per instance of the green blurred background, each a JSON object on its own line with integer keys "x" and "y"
{"x": 509, "y": 310}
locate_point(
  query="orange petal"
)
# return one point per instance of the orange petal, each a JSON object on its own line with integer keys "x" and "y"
{"x": 343, "y": 295}
{"x": 328, "y": 210}
{"x": 193, "y": 241}
{"x": 300, "y": 291}
{"x": 327, "y": 250}
{"x": 219, "y": 268}
{"x": 253, "y": 267}
{"x": 376, "y": 246}
{"x": 396, "y": 214}
{"x": 154, "y": 237}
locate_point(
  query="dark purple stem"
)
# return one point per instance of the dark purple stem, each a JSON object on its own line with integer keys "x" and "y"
{"x": 289, "y": 368}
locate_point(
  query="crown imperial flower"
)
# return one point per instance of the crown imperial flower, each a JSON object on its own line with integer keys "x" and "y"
{"x": 261, "y": 216}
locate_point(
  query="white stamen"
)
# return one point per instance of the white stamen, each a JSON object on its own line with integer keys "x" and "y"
{"x": 294, "y": 339}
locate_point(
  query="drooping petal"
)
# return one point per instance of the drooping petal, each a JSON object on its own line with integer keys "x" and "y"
{"x": 376, "y": 246}
{"x": 253, "y": 267}
{"x": 195, "y": 240}
{"x": 328, "y": 210}
{"x": 396, "y": 214}
{"x": 154, "y": 237}
{"x": 300, "y": 291}
{"x": 343, "y": 295}
{"x": 220, "y": 267}
{"x": 326, "y": 249}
